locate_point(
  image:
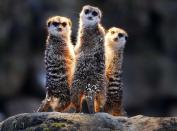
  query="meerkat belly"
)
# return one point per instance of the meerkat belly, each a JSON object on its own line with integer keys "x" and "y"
{"x": 89, "y": 67}
{"x": 56, "y": 74}
{"x": 114, "y": 90}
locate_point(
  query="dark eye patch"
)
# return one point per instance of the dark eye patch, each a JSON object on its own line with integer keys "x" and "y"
{"x": 55, "y": 23}
{"x": 120, "y": 35}
{"x": 64, "y": 24}
{"x": 86, "y": 11}
{"x": 94, "y": 13}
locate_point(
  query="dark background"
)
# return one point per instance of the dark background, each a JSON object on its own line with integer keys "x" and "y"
{"x": 150, "y": 62}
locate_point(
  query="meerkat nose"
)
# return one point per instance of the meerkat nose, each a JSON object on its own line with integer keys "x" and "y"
{"x": 116, "y": 39}
{"x": 90, "y": 18}
{"x": 59, "y": 29}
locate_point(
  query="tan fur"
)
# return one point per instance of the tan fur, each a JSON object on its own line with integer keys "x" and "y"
{"x": 70, "y": 64}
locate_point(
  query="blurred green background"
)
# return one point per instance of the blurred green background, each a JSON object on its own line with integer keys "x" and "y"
{"x": 150, "y": 62}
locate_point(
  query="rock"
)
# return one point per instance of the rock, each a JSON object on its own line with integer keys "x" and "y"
{"x": 51, "y": 121}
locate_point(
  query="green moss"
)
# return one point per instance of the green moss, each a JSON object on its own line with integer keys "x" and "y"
{"x": 46, "y": 129}
{"x": 47, "y": 126}
{"x": 57, "y": 125}
{"x": 43, "y": 125}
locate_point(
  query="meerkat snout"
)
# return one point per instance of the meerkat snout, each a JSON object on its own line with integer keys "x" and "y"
{"x": 59, "y": 29}
{"x": 90, "y": 18}
{"x": 115, "y": 39}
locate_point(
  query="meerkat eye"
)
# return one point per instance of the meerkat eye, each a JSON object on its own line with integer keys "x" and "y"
{"x": 94, "y": 13}
{"x": 120, "y": 35}
{"x": 86, "y": 11}
{"x": 112, "y": 32}
{"x": 55, "y": 23}
{"x": 64, "y": 24}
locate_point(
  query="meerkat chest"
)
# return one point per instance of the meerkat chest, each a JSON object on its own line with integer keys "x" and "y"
{"x": 54, "y": 54}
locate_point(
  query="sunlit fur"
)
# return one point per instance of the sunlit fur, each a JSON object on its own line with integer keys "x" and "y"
{"x": 59, "y": 61}
{"x": 114, "y": 59}
{"x": 89, "y": 77}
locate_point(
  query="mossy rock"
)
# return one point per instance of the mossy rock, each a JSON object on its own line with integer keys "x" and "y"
{"x": 54, "y": 121}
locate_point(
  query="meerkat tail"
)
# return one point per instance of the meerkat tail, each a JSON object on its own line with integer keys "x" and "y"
{"x": 85, "y": 107}
{"x": 88, "y": 104}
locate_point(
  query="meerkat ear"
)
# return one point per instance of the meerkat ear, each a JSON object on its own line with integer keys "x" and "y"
{"x": 127, "y": 34}
{"x": 70, "y": 23}
{"x": 100, "y": 12}
{"x": 48, "y": 23}
{"x": 106, "y": 30}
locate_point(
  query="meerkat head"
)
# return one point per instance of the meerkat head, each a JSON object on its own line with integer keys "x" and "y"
{"x": 116, "y": 37}
{"x": 59, "y": 26}
{"x": 90, "y": 16}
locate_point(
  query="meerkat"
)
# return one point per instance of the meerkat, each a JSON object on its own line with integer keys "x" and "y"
{"x": 59, "y": 60}
{"x": 115, "y": 41}
{"x": 89, "y": 77}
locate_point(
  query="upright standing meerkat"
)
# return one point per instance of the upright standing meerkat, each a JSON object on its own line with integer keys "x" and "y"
{"x": 89, "y": 77}
{"x": 59, "y": 60}
{"x": 115, "y": 41}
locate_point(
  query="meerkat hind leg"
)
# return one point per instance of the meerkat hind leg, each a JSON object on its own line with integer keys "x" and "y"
{"x": 85, "y": 106}
{"x": 61, "y": 108}
{"x": 108, "y": 108}
{"x": 44, "y": 106}
{"x": 99, "y": 103}
{"x": 76, "y": 102}
{"x": 117, "y": 110}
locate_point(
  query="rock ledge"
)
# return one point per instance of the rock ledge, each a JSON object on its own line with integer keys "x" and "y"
{"x": 54, "y": 121}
